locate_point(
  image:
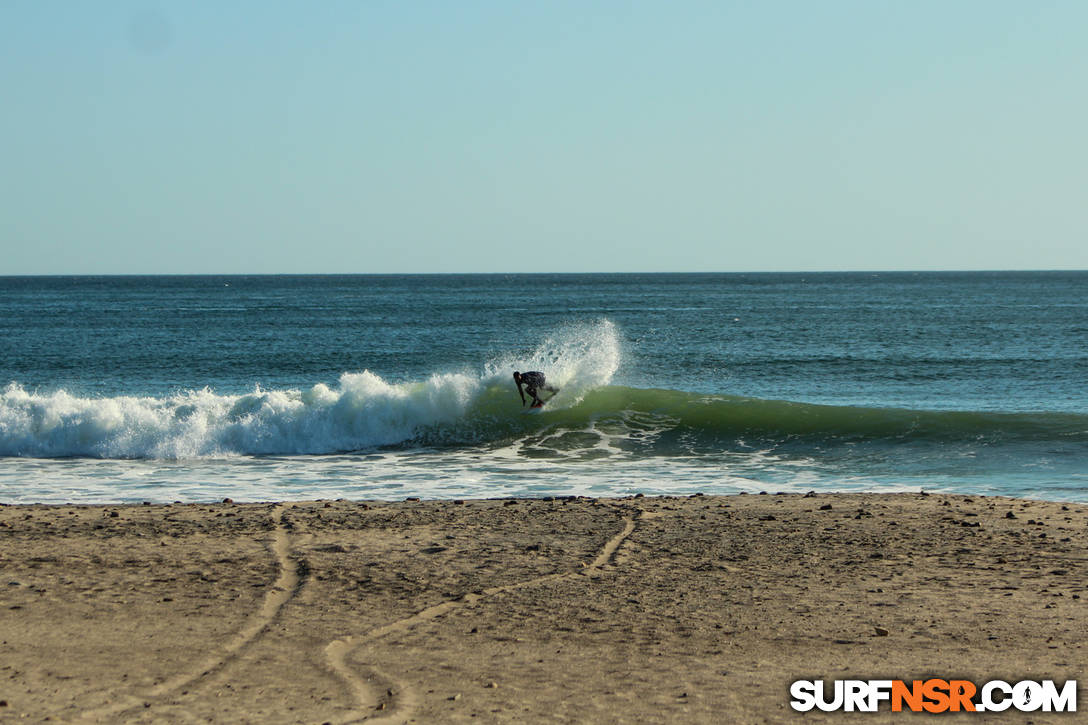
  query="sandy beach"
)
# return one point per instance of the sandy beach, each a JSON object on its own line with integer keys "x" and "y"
{"x": 695, "y": 609}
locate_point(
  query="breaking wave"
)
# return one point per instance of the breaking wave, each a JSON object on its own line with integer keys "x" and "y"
{"x": 361, "y": 411}
{"x": 364, "y": 411}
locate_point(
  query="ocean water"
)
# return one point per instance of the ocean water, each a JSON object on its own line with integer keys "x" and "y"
{"x": 117, "y": 389}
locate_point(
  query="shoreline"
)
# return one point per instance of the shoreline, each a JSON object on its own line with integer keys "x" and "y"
{"x": 640, "y": 609}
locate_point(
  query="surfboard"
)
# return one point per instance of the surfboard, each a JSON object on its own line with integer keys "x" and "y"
{"x": 539, "y": 408}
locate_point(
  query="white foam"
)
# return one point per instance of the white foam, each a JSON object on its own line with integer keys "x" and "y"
{"x": 362, "y": 411}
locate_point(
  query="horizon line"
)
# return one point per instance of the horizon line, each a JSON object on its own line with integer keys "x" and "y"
{"x": 536, "y": 274}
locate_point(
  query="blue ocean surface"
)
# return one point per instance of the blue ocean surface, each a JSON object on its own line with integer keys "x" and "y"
{"x": 195, "y": 388}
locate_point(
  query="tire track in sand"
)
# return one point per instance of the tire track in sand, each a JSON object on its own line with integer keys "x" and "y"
{"x": 371, "y": 707}
{"x": 283, "y": 590}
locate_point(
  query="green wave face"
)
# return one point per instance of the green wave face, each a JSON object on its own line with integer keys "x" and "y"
{"x": 666, "y": 420}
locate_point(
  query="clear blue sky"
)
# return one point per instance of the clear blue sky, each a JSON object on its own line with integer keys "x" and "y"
{"x": 365, "y": 136}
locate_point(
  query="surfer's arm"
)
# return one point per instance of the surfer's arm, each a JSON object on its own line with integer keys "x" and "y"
{"x": 521, "y": 393}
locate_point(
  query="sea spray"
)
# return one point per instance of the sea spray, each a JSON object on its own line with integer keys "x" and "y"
{"x": 576, "y": 359}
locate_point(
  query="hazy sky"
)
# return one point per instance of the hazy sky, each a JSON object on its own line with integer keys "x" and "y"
{"x": 365, "y": 136}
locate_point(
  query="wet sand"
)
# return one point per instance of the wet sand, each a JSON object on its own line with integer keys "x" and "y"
{"x": 658, "y": 610}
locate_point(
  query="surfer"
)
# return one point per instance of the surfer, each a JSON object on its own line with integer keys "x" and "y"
{"x": 532, "y": 380}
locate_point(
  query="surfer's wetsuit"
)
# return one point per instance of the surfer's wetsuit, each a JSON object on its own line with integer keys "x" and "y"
{"x": 531, "y": 380}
